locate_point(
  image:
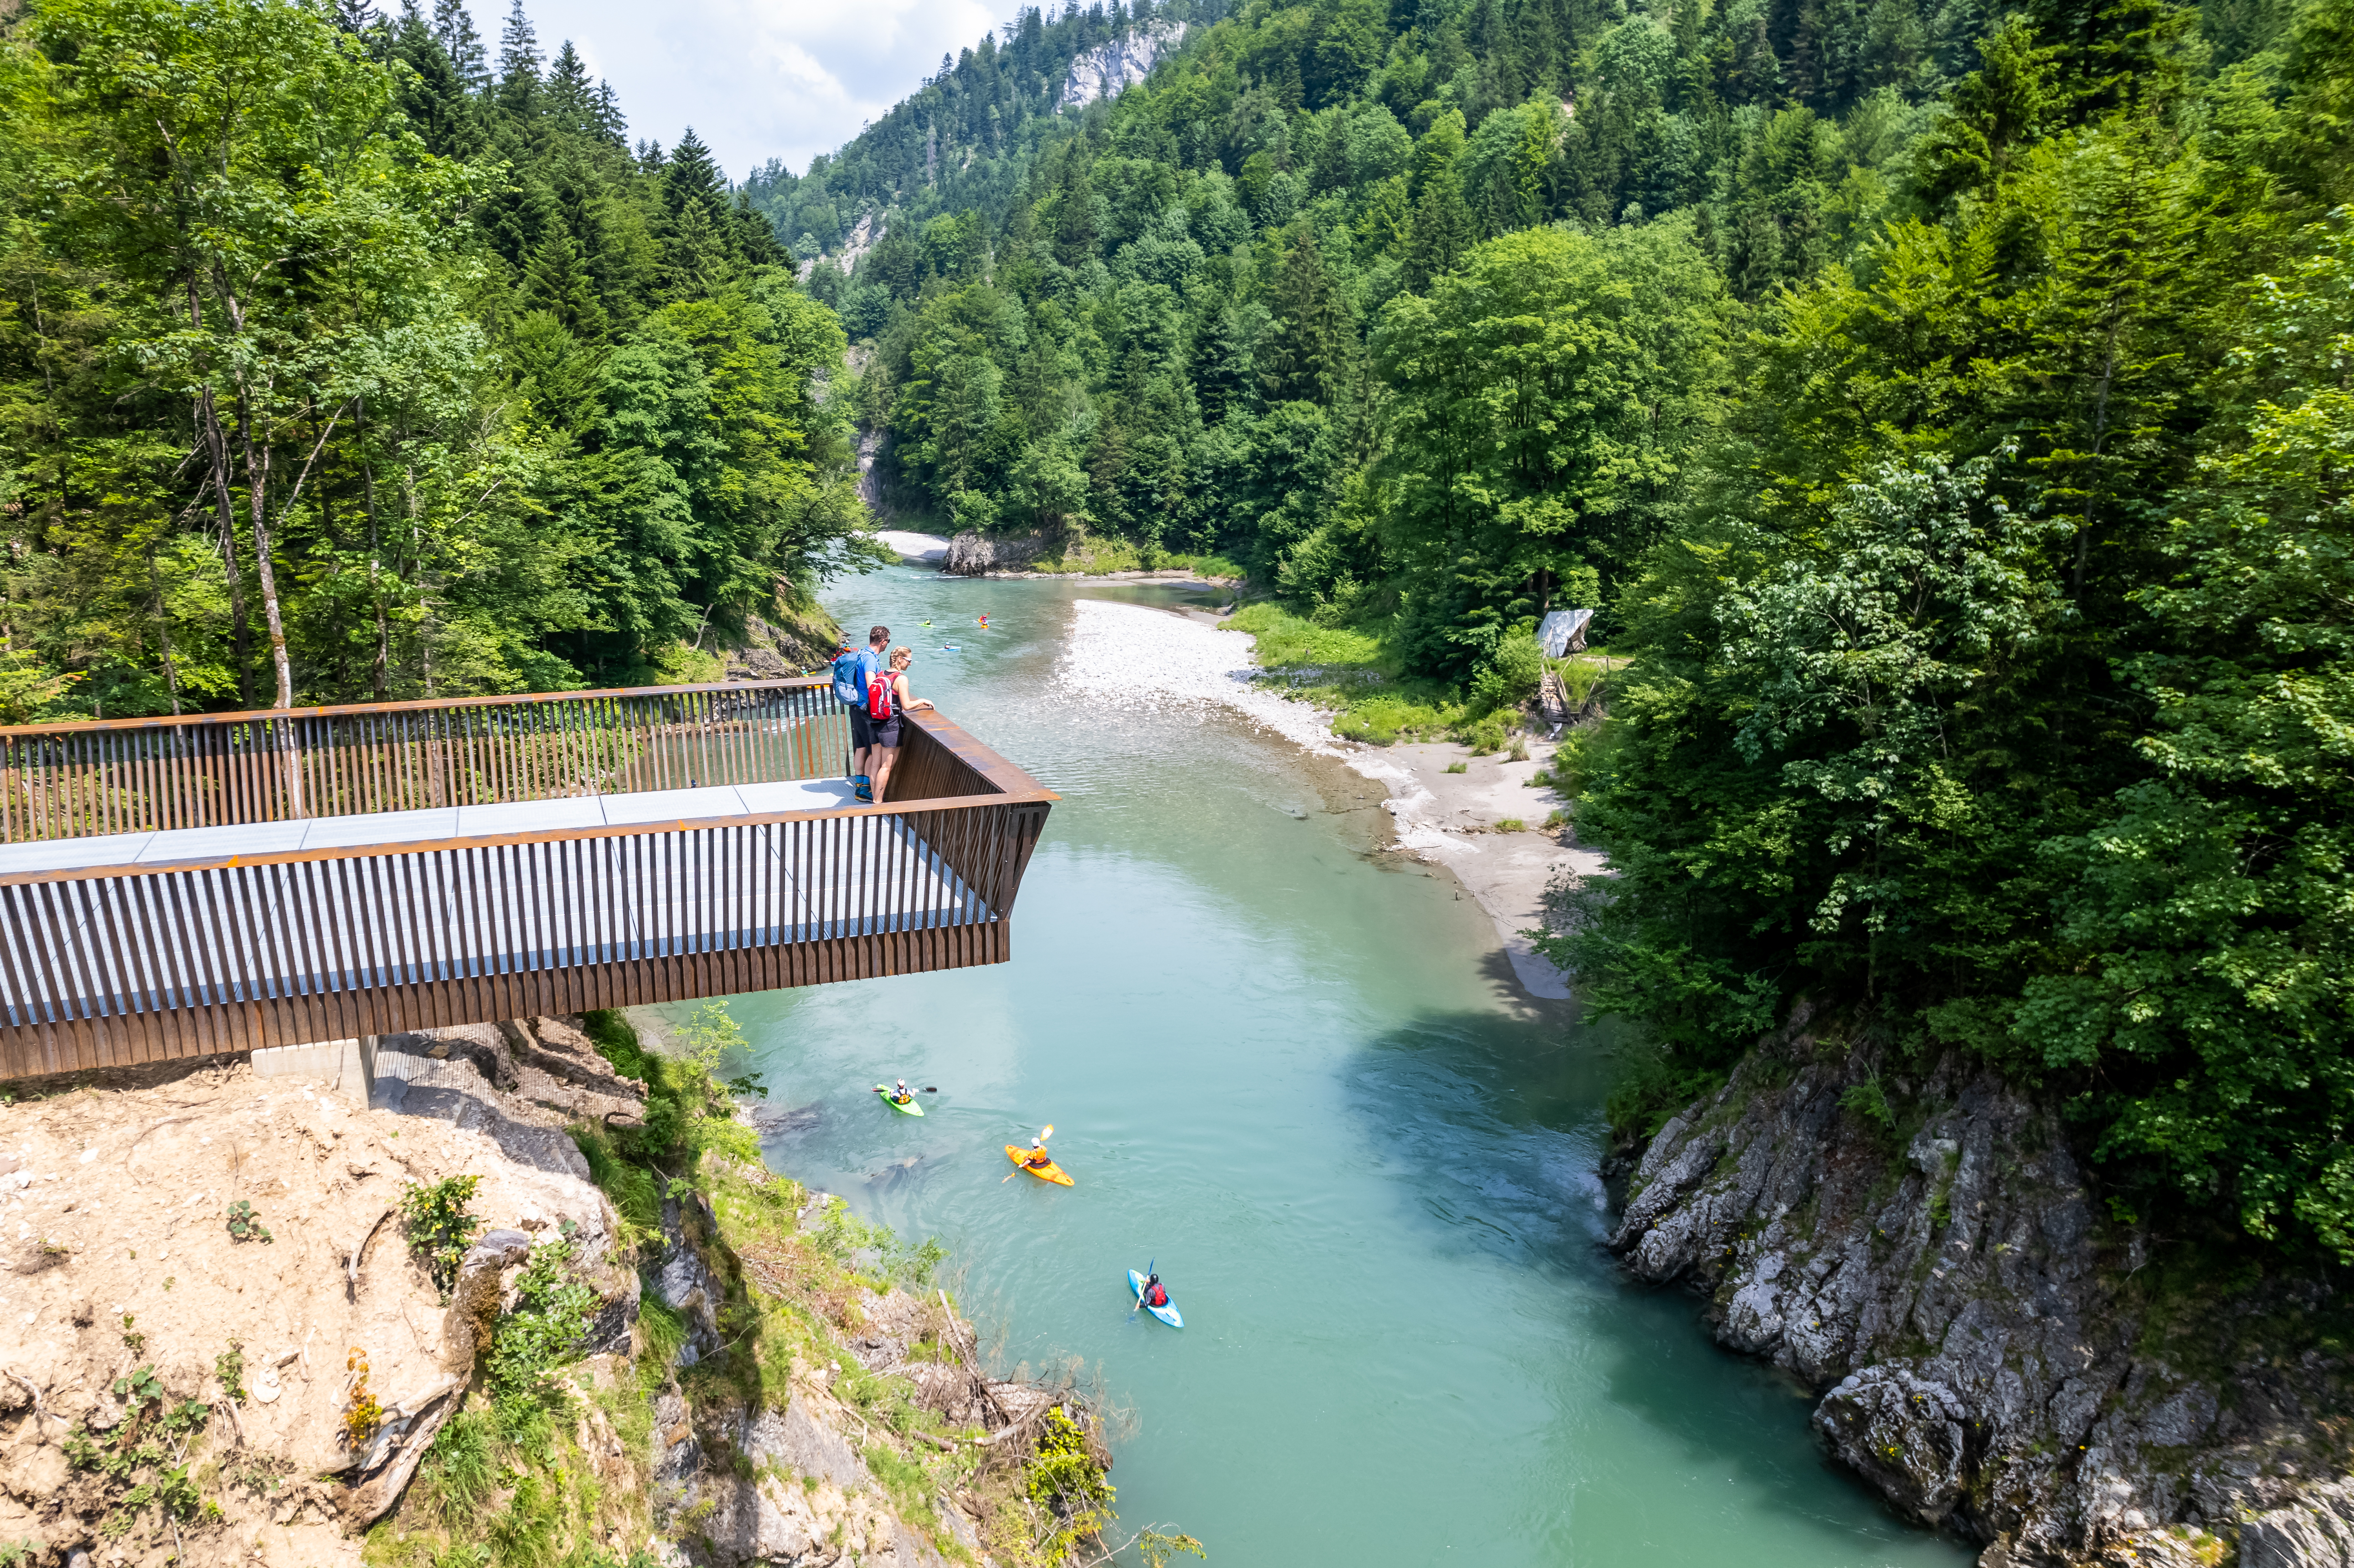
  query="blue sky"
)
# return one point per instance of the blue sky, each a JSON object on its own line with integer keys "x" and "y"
{"x": 757, "y": 78}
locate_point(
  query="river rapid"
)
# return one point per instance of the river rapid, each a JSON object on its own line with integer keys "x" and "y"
{"x": 1298, "y": 1074}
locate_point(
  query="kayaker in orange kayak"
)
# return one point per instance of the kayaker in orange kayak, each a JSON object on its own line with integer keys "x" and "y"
{"x": 1038, "y": 1158}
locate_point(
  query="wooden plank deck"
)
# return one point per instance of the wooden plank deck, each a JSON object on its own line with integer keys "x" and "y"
{"x": 166, "y": 941}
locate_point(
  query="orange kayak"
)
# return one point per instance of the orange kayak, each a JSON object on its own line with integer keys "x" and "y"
{"x": 1050, "y": 1172}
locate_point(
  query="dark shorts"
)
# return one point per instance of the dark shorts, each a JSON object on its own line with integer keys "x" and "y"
{"x": 886, "y": 734}
{"x": 862, "y": 730}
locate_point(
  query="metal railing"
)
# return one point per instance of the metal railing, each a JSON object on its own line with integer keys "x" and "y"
{"x": 109, "y": 961}
{"x": 203, "y": 771}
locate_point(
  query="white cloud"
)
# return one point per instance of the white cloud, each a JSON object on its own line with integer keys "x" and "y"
{"x": 757, "y": 78}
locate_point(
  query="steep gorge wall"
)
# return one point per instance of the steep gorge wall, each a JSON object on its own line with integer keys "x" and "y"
{"x": 798, "y": 1408}
{"x": 1996, "y": 1356}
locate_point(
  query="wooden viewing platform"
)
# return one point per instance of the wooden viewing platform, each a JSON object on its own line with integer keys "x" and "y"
{"x": 174, "y": 887}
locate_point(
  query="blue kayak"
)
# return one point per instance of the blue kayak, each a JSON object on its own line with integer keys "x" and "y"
{"x": 1168, "y": 1314}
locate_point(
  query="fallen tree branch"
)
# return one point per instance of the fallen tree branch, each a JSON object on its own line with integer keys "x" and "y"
{"x": 351, "y": 1264}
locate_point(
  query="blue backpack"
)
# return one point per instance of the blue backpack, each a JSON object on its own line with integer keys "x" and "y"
{"x": 850, "y": 679}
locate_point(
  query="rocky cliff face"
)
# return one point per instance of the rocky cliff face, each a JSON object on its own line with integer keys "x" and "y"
{"x": 1997, "y": 1356}
{"x": 972, "y": 555}
{"x": 733, "y": 1379}
{"x": 1107, "y": 69}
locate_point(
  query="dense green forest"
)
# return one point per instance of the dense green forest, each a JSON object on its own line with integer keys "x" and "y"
{"x": 1948, "y": 409}
{"x": 341, "y": 359}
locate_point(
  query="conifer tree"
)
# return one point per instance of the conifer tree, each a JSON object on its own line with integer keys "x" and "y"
{"x": 1224, "y": 384}
{"x": 1443, "y": 232}
{"x": 435, "y": 99}
{"x": 692, "y": 176}
{"x": 570, "y": 96}
{"x": 1304, "y": 357}
{"x": 519, "y": 65}
{"x": 453, "y": 29}
{"x": 556, "y": 279}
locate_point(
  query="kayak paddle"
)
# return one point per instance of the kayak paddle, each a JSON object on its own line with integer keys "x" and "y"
{"x": 1139, "y": 1295}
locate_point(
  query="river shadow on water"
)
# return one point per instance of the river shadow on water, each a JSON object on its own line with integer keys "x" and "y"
{"x": 1296, "y": 1073}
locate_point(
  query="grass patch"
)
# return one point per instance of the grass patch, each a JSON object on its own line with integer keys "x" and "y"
{"x": 1349, "y": 669}
{"x": 1085, "y": 555}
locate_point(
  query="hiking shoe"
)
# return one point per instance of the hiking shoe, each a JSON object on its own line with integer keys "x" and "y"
{"x": 865, "y": 793}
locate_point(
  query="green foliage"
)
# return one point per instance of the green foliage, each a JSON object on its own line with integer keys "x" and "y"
{"x": 1650, "y": 1087}
{"x": 1159, "y": 1549}
{"x": 331, "y": 375}
{"x": 457, "y": 1474}
{"x": 1064, "y": 1478}
{"x": 244, "y": 1224}
{"x": 439, "y": 1225}
{"x": 665, "y": 1331}
{"x": 230, "y": 1368}
{"x": 143, "y": 1462}
{"x": 552, "y": 1313}
{"x": 1547, "y": 395}
{"x": 1986, "y": 685}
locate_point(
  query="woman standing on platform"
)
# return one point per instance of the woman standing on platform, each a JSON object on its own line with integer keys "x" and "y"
{"x": 887, "y": 725}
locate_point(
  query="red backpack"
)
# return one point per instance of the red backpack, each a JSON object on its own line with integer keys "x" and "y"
{"x": 878, "y": 694}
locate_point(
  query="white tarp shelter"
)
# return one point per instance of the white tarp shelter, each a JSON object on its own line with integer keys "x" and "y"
{"x": 1563, "y": 632}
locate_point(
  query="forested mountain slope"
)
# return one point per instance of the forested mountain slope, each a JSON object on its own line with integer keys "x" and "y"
{"x": 341, "y": 360}
{"x": 966, "y": 138}
{"x": 1949, "y": 409}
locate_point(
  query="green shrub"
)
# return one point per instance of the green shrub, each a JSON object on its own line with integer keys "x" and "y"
{"x": 1651, "y": 1088}
{"x": 1064, "y": 1473}
{"x": 439, "y": 1225}
{"x": 553, "y": 1309}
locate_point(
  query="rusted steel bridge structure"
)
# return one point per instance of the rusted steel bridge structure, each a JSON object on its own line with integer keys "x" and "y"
{"x": 174, "y": 887}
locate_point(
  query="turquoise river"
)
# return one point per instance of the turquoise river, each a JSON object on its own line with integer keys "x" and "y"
{"x": 1296, "y": 1073}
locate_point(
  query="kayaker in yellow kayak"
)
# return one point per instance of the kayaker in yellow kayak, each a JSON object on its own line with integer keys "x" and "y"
{"x": 1038, "y": 1158}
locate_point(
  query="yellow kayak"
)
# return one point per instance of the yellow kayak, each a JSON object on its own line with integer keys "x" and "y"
{"x": 1050, "y": 1172}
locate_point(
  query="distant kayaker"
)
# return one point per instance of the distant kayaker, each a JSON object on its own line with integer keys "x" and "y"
{"x": 904, "y": 1094}
{"x": 891, "y": 700}
{"x": 1038, "y": 1158}
{"x": 1155, "y": 1293}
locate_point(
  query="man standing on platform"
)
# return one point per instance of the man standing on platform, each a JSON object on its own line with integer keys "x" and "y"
{"x": 853, "y": 672}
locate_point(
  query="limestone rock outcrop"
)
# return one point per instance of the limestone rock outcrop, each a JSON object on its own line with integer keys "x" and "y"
{"x": 1996, "y": 1354}
{"x": 972, "y": 555}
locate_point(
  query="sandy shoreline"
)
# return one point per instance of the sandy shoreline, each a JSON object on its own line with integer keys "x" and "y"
{"x": 1443, "y": 820}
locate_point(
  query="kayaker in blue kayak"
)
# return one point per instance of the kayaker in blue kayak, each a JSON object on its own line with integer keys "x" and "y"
{"x": 1155, "y": 1293}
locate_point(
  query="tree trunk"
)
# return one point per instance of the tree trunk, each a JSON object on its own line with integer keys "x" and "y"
{"x": 217, "y": 451}
{"x": 164, "y": 632}
{"x": 376, "y": 562}
{"x": 257, "y": 489}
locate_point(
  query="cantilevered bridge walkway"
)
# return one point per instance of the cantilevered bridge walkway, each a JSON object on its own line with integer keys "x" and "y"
{"x": 216, "y": 882}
